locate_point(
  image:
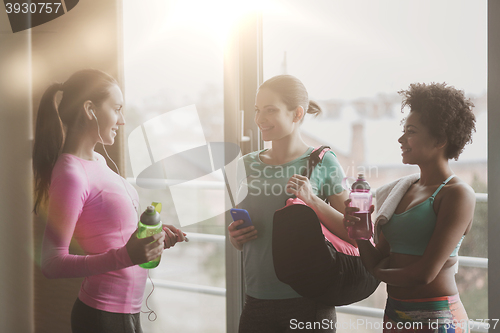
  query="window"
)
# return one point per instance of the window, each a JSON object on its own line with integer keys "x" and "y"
{"x": 353, "y": 57}
{"x": 173, "y": 58}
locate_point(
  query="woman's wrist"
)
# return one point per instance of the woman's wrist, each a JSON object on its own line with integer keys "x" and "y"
{"x": 312, "y": 201}
{"x": 235, "y": 243}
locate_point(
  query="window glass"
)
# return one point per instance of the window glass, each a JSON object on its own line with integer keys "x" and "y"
{"x": 173, "y": 59}
{"x": 353, "y": 57}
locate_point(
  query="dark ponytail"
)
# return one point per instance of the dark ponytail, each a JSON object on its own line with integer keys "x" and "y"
{"x": 54, "y": 121}
{"x": 292, "y": 92}
{"x": 49, "y": 138}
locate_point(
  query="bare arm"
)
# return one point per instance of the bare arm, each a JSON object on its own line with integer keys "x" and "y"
{"x": 371, "y": 255}
{"x": 330, "y": 215}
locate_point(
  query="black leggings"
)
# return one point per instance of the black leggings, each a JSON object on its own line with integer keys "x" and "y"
{"x": 85, "y": 319}
{"x": 286, "y": 315}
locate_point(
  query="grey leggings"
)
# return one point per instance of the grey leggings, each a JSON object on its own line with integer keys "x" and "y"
{"x": 286, "y": 315}
{"x": 86, "y": 319}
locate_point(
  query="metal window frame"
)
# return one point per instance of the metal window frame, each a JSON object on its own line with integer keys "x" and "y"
{"x": 242, "y": 76}
{"x": 493, "y": 160}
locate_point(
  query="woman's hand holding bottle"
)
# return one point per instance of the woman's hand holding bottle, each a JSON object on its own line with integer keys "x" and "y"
{"x": 360, "y": 198}
{"x": 142, "y": 250}
{"x": 350, "y": 219}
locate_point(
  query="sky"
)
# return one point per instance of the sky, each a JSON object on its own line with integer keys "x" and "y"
{"x": 360, "y": 48}
{"x": 339, "y": 49}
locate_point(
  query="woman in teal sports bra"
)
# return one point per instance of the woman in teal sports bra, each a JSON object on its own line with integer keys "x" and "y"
{"x": 416, "y": 252}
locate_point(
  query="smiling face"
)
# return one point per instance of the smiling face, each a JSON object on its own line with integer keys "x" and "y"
{"x": 272, "y": 116}
{"x": 110, "y": 116}
{"x": 417, "y": 144}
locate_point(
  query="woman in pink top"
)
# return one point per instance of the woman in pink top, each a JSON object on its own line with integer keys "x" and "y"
{"x": 87, "y": 201}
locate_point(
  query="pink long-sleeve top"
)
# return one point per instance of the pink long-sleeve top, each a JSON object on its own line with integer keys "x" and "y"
{"x": 95, "y": 206}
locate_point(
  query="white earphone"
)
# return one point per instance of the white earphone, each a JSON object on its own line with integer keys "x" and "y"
{"x": 92, "y": 111}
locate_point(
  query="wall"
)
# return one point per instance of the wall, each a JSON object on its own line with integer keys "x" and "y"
{"x": 88, "y": 36}
{"x": 16, "y": 271}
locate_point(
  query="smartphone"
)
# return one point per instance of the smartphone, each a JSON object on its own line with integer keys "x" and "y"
{"x": 241, "y": 214}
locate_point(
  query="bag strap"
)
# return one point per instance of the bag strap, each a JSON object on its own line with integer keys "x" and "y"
{"x": 314, "y": 159}
{"x": 339, "y": 244}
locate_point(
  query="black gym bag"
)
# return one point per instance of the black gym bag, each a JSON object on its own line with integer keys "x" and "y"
{"x": 313, "y": 261}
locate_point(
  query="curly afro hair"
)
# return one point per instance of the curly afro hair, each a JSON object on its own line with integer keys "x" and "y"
{"x": 445, "y": 111}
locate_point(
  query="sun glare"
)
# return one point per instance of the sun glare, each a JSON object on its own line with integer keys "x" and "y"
{"x": 215, "y": 19}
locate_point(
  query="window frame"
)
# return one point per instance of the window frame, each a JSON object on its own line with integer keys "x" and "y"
{"x": 493, "y": 159}
{"x": 242, "y": 77}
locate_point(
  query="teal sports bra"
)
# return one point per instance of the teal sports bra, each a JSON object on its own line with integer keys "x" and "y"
{"x": 411, "y": 231}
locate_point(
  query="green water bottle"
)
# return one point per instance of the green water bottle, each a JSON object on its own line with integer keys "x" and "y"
{"x": 150, "y": 224}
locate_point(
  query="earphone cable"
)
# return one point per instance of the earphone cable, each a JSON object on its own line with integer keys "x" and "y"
{"x": 152, "y": 316}
{"x": 116, "y": 166}
{"x": 151, "y": 313}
